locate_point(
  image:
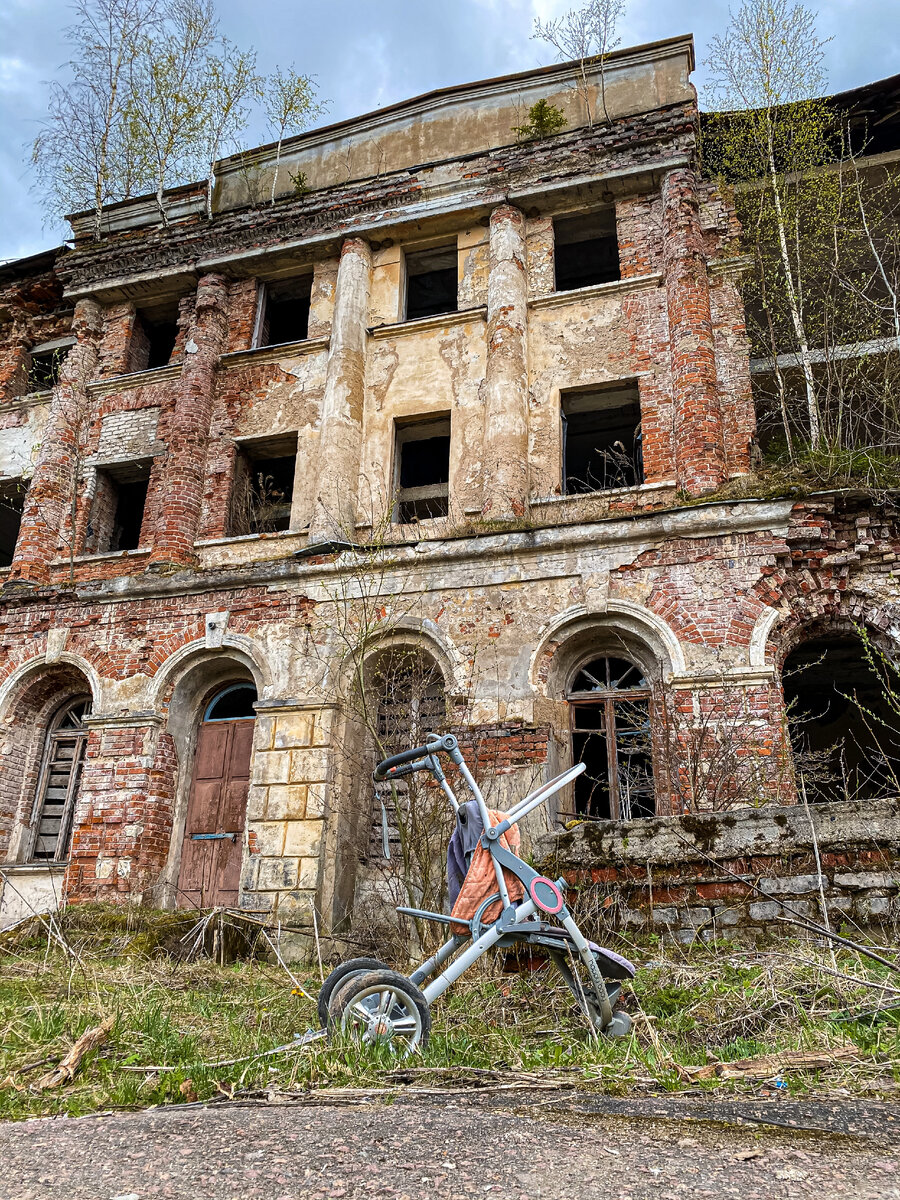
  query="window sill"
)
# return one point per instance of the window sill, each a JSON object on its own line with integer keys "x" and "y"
{"x": 640, "y": 491}
{"x": 29, "y": 400}
{"x": 108, "y": 556}
{"x": 617, "y": 287}
{"x": 459, "y": 316}
{"x": 32, "y": 868}
{"x": 270, "y": 354}
{"x": 240, "y": 538}
{"x": 123, "y": 383}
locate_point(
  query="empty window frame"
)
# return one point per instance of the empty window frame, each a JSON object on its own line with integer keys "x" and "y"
{"x": 609, "y": 702}
{"x": 586, "y": 250}
{"x": 45, "y": 362}
{"x": 12, "y": 500}
{"x": 58, "y": 781}
{"x": 263, "y": 488}
{"x": 601, "y": 439}
{"x": 422, "y": 469}
{"x": 432, "y": 282}
{"x": 117, "y": 513}
{"x": 153, "y": 337}
{"x": 283, "y": 313}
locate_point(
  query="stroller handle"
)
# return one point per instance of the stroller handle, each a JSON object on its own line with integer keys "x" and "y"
{"x": 388, "y": 767}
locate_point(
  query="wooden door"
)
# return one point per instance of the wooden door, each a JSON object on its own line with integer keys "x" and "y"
{"x": 217, "y": 808}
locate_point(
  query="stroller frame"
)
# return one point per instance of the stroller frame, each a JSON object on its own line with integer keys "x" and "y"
{"x": 522, "y": 922}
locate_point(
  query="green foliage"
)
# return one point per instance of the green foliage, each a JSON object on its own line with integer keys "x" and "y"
{"x": 299, "y": 180}
{"x": 201, "y": 1030}
{"x": 544, "y": 119}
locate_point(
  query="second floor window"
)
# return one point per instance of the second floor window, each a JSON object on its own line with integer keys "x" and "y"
{"x": 431, "y": 282}
{"x": 283, "y": 314}
{"x": 263, "y": 486}
{"x": 601, "y": 439}
{"x": 422, "y": 469}
{"x": 12, "y": 500}
{"x": 117, "y": 513}
{"x": 586, "y": 250}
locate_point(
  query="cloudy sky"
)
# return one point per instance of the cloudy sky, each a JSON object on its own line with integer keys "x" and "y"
{"x": 367, "y": 54}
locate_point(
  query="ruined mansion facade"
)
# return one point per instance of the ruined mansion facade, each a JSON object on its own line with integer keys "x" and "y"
{"x": 453, "y": 395}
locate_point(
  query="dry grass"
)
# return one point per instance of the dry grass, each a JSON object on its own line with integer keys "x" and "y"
{"x": 180, "y": 1026}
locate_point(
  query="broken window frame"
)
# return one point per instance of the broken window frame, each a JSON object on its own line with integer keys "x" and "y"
{"x": 621, "y": 465}
{"x": 565, "y": 225}
{"x": 608, "y": 699}
{"x": 411, "y": 257}
{"x": 66, "y": 726}
{"x": 56, "y": 351}
{"x": 268, "y": 296}
{"x": 420, "y": 429}
{"x": 247, "y": 517}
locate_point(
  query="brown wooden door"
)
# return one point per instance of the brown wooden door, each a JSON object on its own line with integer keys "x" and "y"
{"x": 217, "y": 807}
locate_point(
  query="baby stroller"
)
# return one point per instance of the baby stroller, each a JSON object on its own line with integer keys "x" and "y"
{"x": 366, "y": 999}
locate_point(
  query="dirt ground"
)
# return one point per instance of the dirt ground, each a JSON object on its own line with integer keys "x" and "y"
{"x": 568, "y": 1147}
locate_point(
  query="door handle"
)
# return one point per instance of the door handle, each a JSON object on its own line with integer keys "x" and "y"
{"x": 214, "y": 837}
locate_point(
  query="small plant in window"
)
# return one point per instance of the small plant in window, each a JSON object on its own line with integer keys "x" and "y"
{"x": 544, "y": 119}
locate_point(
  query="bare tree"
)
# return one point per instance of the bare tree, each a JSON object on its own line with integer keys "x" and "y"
{"x": 85, "y": 154}
{"x": 585, "y": 34}
{"x": 766, "y": 72}
{"x": 289, "y": 102}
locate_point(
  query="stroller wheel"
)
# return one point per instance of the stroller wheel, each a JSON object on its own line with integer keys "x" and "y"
{"x": 339, "y": 976}
{"x": 619, "y": 1026}
{"x": 383, "y": 1008}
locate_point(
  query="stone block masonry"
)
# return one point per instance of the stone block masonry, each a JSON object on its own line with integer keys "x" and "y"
{"x": 735, "y": 873}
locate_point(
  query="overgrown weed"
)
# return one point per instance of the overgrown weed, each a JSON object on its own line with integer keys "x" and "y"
{"x": 188, "y": 1031}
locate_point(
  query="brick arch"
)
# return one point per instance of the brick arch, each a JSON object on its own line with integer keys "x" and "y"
{"x": 822, "y": 609}
{"x": 32, "y": 694}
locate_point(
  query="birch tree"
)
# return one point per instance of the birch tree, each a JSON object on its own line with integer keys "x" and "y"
{"x": 585, "y": 35}
{"x": 84, "y": 154}
{"x": 767, "y": 76}
{"x": 289, "y": 101}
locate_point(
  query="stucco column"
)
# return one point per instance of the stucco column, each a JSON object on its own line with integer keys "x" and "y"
{"x": 505, "y": 469}
{"x": 187, "y": 428}
{"x": 340, "y": 443}
{"x": 699, "y": 448}
{"x": 49, "y": 497}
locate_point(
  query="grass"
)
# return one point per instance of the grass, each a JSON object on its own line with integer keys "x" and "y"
{"x": 176, "y": 1020}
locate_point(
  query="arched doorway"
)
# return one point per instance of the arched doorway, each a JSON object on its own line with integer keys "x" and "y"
{"x": 209, "y": 874}
{"x": 609, "y": 704}
{"x": 58, "y": 779}
{"x": 844, "y": 732}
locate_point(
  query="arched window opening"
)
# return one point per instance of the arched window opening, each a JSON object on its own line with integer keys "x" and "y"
{"x": 406, "y": 701}
{"x": 233, "y": 703}
{"x": 58, "y": 781}
{"x": 843, "y": 729}
{"x": 609, "y": 703}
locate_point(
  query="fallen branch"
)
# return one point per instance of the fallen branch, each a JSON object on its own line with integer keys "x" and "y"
{"x": 773, "y": 1064}
{"x": 65, "y": 1071}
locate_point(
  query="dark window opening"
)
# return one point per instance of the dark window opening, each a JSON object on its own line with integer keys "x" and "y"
{"x": 117, "y": 513}
{"x": 153, "y": 337}
{"x": 601, "y": 432}
{"x": 431, "y": 282}
{"x": 284, "y": 312}
{"x": 58, "y": 782}
{"x": 263, "y": 486}
{"x": 423, "y": 470}
{"x": 586, "y": 250}
{"x": 44, "y": 365}
{"x": 610, "y": 707}
{"x": 12, "y": 501}
{"x": 844, "y": 731}
{"x": 234, "y": 703}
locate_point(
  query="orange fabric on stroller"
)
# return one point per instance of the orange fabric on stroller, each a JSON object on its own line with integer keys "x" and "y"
{"x": 481, "y": 879}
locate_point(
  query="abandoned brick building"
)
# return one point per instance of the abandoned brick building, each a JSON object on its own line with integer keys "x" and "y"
{"x": 469, "y": 397}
